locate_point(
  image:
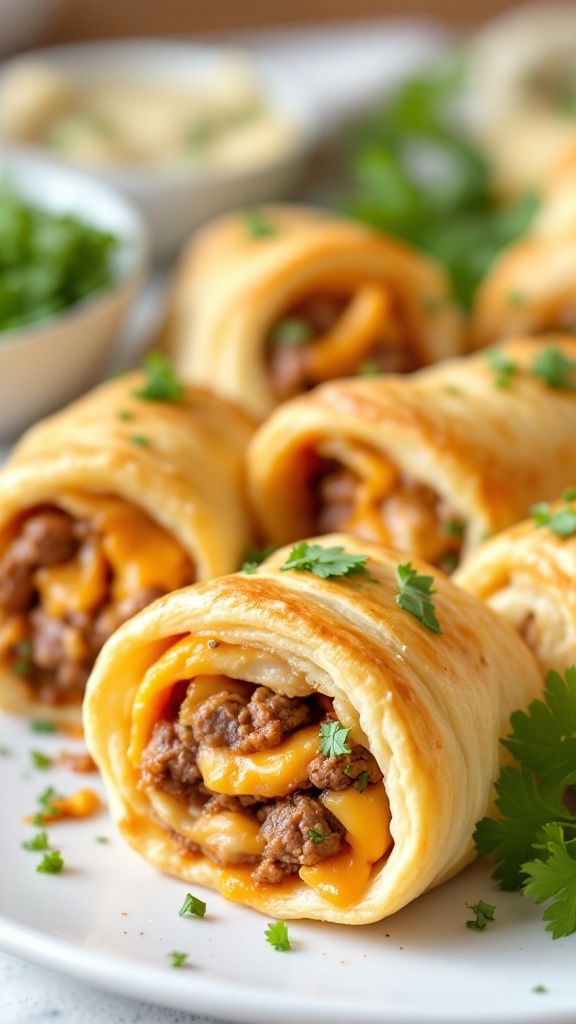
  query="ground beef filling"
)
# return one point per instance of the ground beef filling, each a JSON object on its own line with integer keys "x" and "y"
{"x": 291, "y": 339}
{"x": 410, "y": 517}
{"x": 297, "y": 829}
{"x": 54, "y": 655}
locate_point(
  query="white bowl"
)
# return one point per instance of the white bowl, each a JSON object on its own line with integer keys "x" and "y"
{"x": 176, "y": 200}
{"x": 47, "y": 364}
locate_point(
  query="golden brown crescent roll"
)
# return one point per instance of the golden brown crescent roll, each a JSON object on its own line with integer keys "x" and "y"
{"x": 529, "y": 290}
{"x": 103, "y": 507}
{"x": 305, "y": 745}
{"x": 427, "y": 463}
{"x": 527, "y": 574}
{"x": 268, "y": 303}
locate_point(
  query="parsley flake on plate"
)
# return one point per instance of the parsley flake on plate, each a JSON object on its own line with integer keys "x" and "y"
{"x": 51, "y": 863}
{"x": 277, "y": 935}
{"x": 414, "y": 596}
{"x": 192, "y": 905}
{"x": 178, "y": 959}
{"x": 38, "y": 842}
{"x": 484, "y": 913}
{"x": 40, "y": 760}
{"x": 503, "y": 367}
{"x": 324, "y": 562}
{"x": 333, "y": 736}
{"x": 534, "y": 839}
{"x": 161, "y": 384}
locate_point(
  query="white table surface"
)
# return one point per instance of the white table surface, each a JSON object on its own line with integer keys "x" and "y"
{"x": 345, "y": 67}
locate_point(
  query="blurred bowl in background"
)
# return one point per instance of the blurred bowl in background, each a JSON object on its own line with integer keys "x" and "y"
{"x": 47, "y": 363}
{"x": 184, "y": 131}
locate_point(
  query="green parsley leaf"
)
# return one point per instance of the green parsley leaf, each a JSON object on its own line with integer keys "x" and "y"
{"x": 277, "y": 935}
{"x": 333, "y": 738}
{"x": 38, "y": 842}
{"x": 554, "y": 368}
{"x": 40, "y": 760}
{"x": 414, "y": 593}
{"x": 192, "y": 905}
{"x": 51, "y": 863}
{"x": 318, "y": 837}
{"x": 553, "y": 877}
{"x": 324, "y": 562}
{"x": 291, "y": 331}
{"x": 178, "y": 959}
{"x": 43, "y": 726}
{"x": 362, "y": 781}
{"x": 249, "y": 567}
{"x": 369, "y": 370}
{"x": 543, "y": 739}
{"x": 102, "y": 839}
{"x": 539, "y": 988}
{"x": 139, "y": 440}
{"x": 258, "y": 223}
{"x": 484, "y": 914}
{"x": 504, "y": 367}
{"x": 255, "y": 556}
{"x": 21, "y": 667}
{"x": 161, "y": 384}
{"x": 125, "y": 415}
{"x": 453, "y": 528}
{"x": 562, "y": 521}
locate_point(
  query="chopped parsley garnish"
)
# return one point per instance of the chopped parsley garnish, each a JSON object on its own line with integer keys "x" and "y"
{"x": 453, "y": 528}
{"x": 277, "y": 935}
{"x": 21, "y": 667}
{"x": 333, "y": 736}
{"x": 51, "y": 863}
{"x": 192, "y": 905}
{"x": 369, "y": 370}
{"x": 539, "y": 988}
{"x": 38, "y": 842}
{"x": 504, "y": 367}
{"x": 484, "y": 914}
{"x": 362, "y": 781}
{"x": 291, "y": 331}
{"x": 414, "y": 596}
{"x": 415, "y": 172}
{"x": 49, "y": 810}
{"x": 534, "y": 838}
{"x": 178, "y": 959}
{"x": 254, "y": 557}
{"x": 125, "y": 415}
{"x": 161, "y": 384}
{"x": 318, "y": 837}
{"x": 43, "y": 726}
{"x": 554, "y": 368}
{"x": 140, "y": 440}
{"x": 40, "y": 760}
{"x": 49, "y": 260}
{"x": 562, "y": 521}
{"x": 324, "y": 562}
{"x": 258, "y": 223}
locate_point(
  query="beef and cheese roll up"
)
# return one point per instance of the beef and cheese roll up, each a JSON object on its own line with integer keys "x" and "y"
{"x": 306, "y": 745}
{"x": 103, "y": 507}
{"x": 427, "y": 463}
{"x": 269, "y": 303}
{"x": 527, "y": 574}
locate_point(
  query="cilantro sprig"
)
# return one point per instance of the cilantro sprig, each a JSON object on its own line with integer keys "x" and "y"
{"x": 534, "y": 840}
{"x": 324, "y": 562}
{"x": 161, "y": 384}
{"x": 414, "y": 596}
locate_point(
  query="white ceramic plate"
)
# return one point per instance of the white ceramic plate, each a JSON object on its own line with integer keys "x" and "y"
{"x": 111, "y": 920}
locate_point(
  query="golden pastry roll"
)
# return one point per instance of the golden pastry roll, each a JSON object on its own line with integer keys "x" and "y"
{"x": 527, "y": 574}
{"x": 529, "y": 290}
{"x": 428, "y": 463}
{"x": 103, "y": 507}
{"x": 268, "y": 303}
{"x": 305, "y": 745}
